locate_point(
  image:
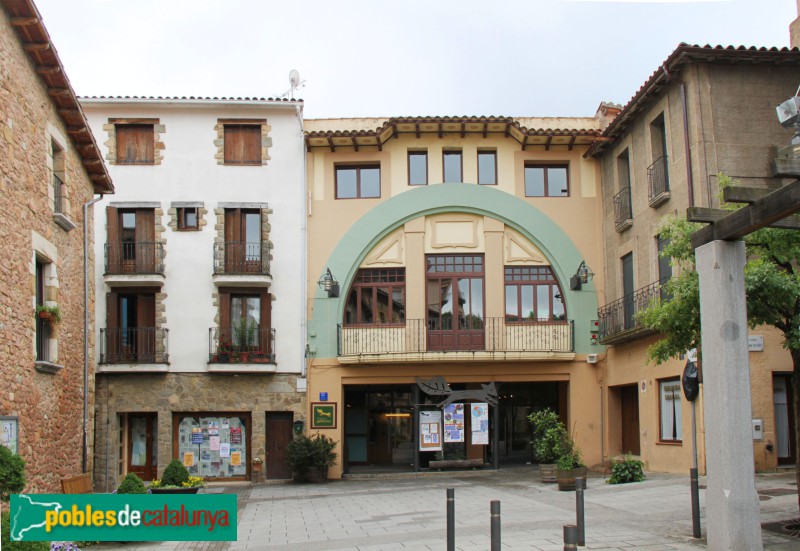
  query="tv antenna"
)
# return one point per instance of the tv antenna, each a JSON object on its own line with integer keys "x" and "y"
{"x": 296, "y": 83}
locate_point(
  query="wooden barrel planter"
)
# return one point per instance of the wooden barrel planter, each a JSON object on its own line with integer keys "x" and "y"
{"x": 548, "y": 472}
{"x": 566, "y": 479}
{"x": 174, "y": 490}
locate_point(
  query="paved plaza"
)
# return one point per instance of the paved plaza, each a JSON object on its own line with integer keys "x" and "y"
{"x": 409, "y": 513}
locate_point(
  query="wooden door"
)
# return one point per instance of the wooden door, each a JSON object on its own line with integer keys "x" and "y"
{"x": 627, "y": 290}
{"x": 629, "y": 398}
{"x": 279, "y": 434}
{"x": 142, "y": 438}
{"x": 455, "y": 313}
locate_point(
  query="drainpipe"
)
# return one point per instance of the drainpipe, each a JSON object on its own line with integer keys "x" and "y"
{"x": 303, "y": 249}
{"x": 86, "y": 331}
{"x": 687, "y": 152}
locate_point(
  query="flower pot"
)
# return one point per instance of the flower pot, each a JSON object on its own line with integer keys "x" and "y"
{"x": 566, "y": 479}
{"x": 224, "y": 357}
{"x": 244, "y": 357}
{"x": 548, "y": 472}
{"x": 174, "y": 490}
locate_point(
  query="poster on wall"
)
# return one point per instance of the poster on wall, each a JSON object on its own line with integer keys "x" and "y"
{"x": 429, "y": 431}
{"x": 454, "y": 423}
{"x": 480, "y": 423}
{"x": 236, "y": 436}
{"x": 213, "y": 428}
{"x": 236, "y": 458}
{"x": 188, "y": 459}
{"x": 225, "y": 449}
{"x": 197, "y": 435}
{"x": 8, "y": 432}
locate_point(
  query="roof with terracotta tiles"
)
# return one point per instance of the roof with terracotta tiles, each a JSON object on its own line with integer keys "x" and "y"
{"x": 683, "y": 55}
{"x": 35, "y": 41}
{"x": 190, "y": 99}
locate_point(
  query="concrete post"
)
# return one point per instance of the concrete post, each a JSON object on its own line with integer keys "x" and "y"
{"x": 732, "y": 512}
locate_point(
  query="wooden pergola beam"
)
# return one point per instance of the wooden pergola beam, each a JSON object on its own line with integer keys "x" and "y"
{"x": 763, "y": 212}
{"x": 709, "y": 216}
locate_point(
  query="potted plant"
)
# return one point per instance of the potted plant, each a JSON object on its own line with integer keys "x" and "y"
{"x": 132, "y": 484}
{"x": 570, "y": 465}
{"x": 224, "y": 349}
{"x": 176, "y": 480}
{"x": 548, "y": 434}
{"x": 50, "y": 313}
{"x": 310, "y": 458}
{"x": 626, "y": 470}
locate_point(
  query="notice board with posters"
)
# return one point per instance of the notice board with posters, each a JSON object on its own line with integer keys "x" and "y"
{"x": 430, "y": 431}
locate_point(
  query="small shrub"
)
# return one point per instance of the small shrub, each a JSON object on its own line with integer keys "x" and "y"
{"x": 175, "y": 474}
{"x": 548, "y": 433}
{"x": 627, "y": 470}
{"x": 132, "y": 484}
{"x": 12, "y": 473}
{"x": 306, "y": 454}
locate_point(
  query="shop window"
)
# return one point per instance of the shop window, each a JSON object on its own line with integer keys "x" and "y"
{"x": 358, "y": 182}
{"x": 670, "y": 410}
{"x": 546, "y": 181}
{"x": 377, "y": 297}
{"x": 452, "y": 163}
{"x": 487, "y": 168}
{"x": 135, "y": 144}
{"x": 533, "y": 295}
{"x": 417, "y": 168}
{"x": 213, "y": 445}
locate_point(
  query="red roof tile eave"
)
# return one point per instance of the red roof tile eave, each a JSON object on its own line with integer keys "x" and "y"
{"x": 36, "y": 42}
{"x": 682, "y": 55}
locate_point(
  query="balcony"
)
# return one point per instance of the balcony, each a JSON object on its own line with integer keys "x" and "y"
{"x": 134, "y": 264}
{"x": 241, "y": 264}
{"x": 241, "y": 349}
{"x": 476, "y": 339}
{"x": 134, "y": 349}
{"x": 618, "y": 321}
{"x": 60, "y": 205}
{"x": 658, "y": 182}
{"x": 46, "y": 346}
{"x": 623, "y": 214}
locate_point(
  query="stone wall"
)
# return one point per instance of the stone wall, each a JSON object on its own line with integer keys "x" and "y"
{"x": 49, "y": 404}
{"x": 186, "y": 392}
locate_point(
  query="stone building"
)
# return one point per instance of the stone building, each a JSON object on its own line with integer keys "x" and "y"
{"x": 50, "y": 168}
{"x": 201, "y": 329}
{"x": 703, "y": 112}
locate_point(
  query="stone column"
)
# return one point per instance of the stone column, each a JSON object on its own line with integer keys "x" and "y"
{"x": 732, "y": 512}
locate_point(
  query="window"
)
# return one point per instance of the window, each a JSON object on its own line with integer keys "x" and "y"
{"x": 417, "y": 168}
{"x": 664, "y": 267}
{"x": 135, "y": 144}
{"x": 132, "y": 246}
{"x": 131, "y": 335}
{"x": 455, "y": 305}
{"x": 452, "y": 163}
{"x": 546, "y": 181}
{"x": 533, "y": 294}
{"x": 628, "y": 300}
{"x": 487, "y": 168}
{"x": 43, "y": 327}
{"x": 223, "y": 451}
{"x": 244, "y": 251}
{"x": 377, "y": 297}
{"x": 245, "y": 316}
{"x": 242, "y": 144}
{"x": 358, "y": 182}
{"x": 670, "y": 410}
{"x": 188, "y": 218}
{"x": 658, "y": 172}
{"x": 59, "y": 170}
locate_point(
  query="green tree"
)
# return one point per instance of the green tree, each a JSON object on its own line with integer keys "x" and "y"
{"x": 772, "y": 285}
{"x": 12, "y": 473}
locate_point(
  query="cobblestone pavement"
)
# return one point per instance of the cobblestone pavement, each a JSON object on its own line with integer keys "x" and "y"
{"x": 408, "y": 513}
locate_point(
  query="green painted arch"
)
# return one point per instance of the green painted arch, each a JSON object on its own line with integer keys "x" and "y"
{"x": 385, "y": 218}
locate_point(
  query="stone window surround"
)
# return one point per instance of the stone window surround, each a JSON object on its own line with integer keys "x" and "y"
{"x": 57, "y": 166}
{"x": 45, "y": 252}
{"x": 219, "y": 142}
{"x": 111, "y": 142}
{"x": 202, "y": 212}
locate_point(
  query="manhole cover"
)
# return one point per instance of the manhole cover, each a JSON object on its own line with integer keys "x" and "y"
{"x": 789, "y": 528}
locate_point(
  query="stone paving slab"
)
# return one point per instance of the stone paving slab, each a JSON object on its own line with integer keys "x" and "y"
{"x": 406, "y": 513}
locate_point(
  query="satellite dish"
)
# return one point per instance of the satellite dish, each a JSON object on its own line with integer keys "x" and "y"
{"x": 294, "y": 78}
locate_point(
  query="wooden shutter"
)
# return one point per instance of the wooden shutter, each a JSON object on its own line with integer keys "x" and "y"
{"x": 113, "y": 246}
{"x": 146, "y": 327}
{"x": 145, "y": 237}
{"x": 112, "y": 326}
{"x": 233, "y": 144}
{"x": 234, "y": 248}
{"x": 265, "y": 323}
{"x": 135, "y": 143}
{"x": 251, "y": 138}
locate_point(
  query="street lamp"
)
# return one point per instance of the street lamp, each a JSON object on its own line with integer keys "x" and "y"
{"x": 329, "y": 284}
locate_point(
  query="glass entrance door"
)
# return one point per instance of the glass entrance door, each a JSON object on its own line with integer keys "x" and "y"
{"x": 455, "y": 302}
{"x": 142, "y": 438}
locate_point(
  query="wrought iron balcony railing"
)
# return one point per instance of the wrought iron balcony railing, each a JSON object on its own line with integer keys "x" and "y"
{"x": 239, "y": 257}
{"x": 134, "y": 345}
{"x": 241, "y": 344}
{"x": 59, "y": 195}
{"x": 618, "y": 319}
{"x": 140, "y": 257}
{"x": 473, "y": 334}
{"x": 623, "y": 215}
{"x": 658, "y": 181}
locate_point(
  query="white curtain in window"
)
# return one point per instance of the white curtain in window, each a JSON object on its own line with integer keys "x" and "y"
{"x": 671, "y": 425}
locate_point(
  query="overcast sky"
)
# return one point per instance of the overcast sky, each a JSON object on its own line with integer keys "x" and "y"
{"x": 398, "y": 57}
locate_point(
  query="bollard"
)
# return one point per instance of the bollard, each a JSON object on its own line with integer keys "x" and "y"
{"x": 570, "y": 537}
{"x": 580, "y": 485}
{"x": 495, "y": 524}
{"x": 695, "y": 488}
{"x": 451, "y": 520}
